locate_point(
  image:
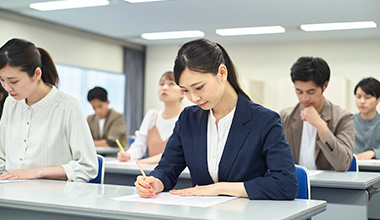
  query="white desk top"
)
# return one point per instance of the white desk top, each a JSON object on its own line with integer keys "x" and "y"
{"x": 328, "y": 179}
{"x": 344, "y": 180}
{"x": 107, "y": 150}
{"x": 369, "y": 165}
{"x": 93, "y": 200}
{"x": 132, "y": 168}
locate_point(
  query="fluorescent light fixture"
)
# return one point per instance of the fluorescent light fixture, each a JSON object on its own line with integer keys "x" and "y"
{"x": 338, "y": 26}
{"x": 66, "y": 4}
{"x": 172, "y": 35}
{"x": 143, "y": 1}
{"x": 250, "y": 31}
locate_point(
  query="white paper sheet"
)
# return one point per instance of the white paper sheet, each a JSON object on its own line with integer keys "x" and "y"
{"x": 169, "y": 199}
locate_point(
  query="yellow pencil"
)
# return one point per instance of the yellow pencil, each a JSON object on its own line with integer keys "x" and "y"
{"x": 121, "y": 147}
{"x": 143, "y": 173}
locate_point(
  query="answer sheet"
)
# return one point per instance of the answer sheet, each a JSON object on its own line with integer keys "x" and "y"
{"x": 166, "y": 198}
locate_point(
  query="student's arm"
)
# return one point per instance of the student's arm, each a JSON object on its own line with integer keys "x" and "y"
{"x": 223, "y": 188}
{"x": 338, "y": 145}
{"x": 151, "y": 160}
{"x": 84, "y": 164}
{"x": 57, "y": 173}
{"x": 101, "y": 143}
{"x": 139, "y": 147}
{"x": 117, "y": 129}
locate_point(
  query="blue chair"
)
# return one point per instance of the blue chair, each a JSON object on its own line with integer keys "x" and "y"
{"x": 100, "y": 177}
{"x": 303, "y": 183}
{"x": 354, "y": 165}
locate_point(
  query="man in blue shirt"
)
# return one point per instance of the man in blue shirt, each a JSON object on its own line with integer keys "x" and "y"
{"x": 367, "y": 121}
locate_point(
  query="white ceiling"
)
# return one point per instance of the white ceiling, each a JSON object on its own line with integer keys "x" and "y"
{"x": 126, "y": 21}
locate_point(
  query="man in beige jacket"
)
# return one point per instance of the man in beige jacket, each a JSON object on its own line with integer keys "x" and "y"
{"x": 321, "y": 135}
{"x": 106, "y": 124}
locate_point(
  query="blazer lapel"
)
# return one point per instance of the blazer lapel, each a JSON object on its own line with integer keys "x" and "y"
{"x": 200, "y": 148}
{"x": 296, "y": 133}
{"x": 236, "y": 138}
{"x": 326, "y": 116}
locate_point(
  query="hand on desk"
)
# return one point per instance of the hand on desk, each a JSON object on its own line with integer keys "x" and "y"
{"x": 207, "y": 190}
{"x": 123, "y": 157}
{"x": 366, "y": 155}
{"x": 20, "y": 174}
{"x": 144, "y": 186}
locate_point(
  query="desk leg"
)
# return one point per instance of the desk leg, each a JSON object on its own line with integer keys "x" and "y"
{"x": 374, "y": 205}
{"x": 342, "y": 203}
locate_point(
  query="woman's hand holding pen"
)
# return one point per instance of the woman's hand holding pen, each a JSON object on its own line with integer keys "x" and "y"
{"x": 148, "y": 186}
{"x": 123, "y": 156}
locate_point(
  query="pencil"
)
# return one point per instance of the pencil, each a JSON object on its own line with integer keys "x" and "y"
{"x": 143, "y": 173}
{"x": 119, "y": 145}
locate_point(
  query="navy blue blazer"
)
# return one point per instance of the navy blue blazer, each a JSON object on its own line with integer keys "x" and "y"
{"x": 255, "y": 153}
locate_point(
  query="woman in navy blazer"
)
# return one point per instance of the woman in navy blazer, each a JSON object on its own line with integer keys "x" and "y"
{"x": 250, "y": 156}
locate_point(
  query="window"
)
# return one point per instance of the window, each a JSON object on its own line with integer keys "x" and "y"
{"x": 78, "y": 81}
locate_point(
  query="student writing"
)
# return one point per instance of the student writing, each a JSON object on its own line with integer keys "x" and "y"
{"x": 231, "y": 145}
{"x": 43, "y": 132}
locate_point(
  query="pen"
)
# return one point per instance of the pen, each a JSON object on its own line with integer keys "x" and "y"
{"x": 119, "y": 145}
{"x": 143, "y": 173}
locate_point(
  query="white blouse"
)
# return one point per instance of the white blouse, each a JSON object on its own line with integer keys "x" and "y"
{"x": 216, "y": 140}
{"x": 51, "y": 132}
{"x": 165, "y": 128}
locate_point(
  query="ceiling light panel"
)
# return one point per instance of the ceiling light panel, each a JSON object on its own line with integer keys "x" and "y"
{"x": 172, "y": 35}
{"x": 250, "y": 31}
{"x": 338, "y": 26}
{"x": 67, "y": 4}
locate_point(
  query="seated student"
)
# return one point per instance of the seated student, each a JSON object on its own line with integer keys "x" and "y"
{"x": 231, "y": 145}
{"x": 43, "y": 132}
{"x": 157, "y": 126}
{"x": 367, "y": 121}
{"x": 321, "y": 135}
{"x": 106, "y": 124}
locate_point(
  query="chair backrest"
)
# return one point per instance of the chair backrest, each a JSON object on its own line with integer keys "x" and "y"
{"x": 303, "y": 183}
{"x": 354, "y": 164}
{"x": 100, "y": 177}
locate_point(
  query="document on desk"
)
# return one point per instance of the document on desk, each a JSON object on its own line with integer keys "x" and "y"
{"x": 166, "y": 198}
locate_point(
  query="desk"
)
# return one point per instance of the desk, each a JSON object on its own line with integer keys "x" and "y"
{"x": 107, "y": 151}
{"x": 126, "y": 173}
{"x": 61, "y": 200}
{"x": 374, "y": 204}
{"x": 345, "y": 192}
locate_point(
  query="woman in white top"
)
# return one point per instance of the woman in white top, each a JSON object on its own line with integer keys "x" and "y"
{"x": 157, "y": 126}
{"x": 43, "y": 132}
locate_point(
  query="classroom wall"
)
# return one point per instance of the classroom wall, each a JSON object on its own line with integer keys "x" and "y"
{"x": 66, "y": 45}
{"x": 263, "y": 69}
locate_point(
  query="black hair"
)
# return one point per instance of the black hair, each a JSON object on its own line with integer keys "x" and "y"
{"x": 26, "y": 56}
{"x": 310, "y": 69}
{"x": 204, "y": 56}
{"x": 3, "y": 96}
{"x": 370, "y": 86}
{"x": 97, "y": 93}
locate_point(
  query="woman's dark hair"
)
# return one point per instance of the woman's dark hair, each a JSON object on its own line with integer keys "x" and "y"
{"x": 97, "y": 93}
{"x": 26, "y": 56}
{"x": 370, "y": 86}
{"x": 310, "y": 69}
{"x": 204, "y": 56}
